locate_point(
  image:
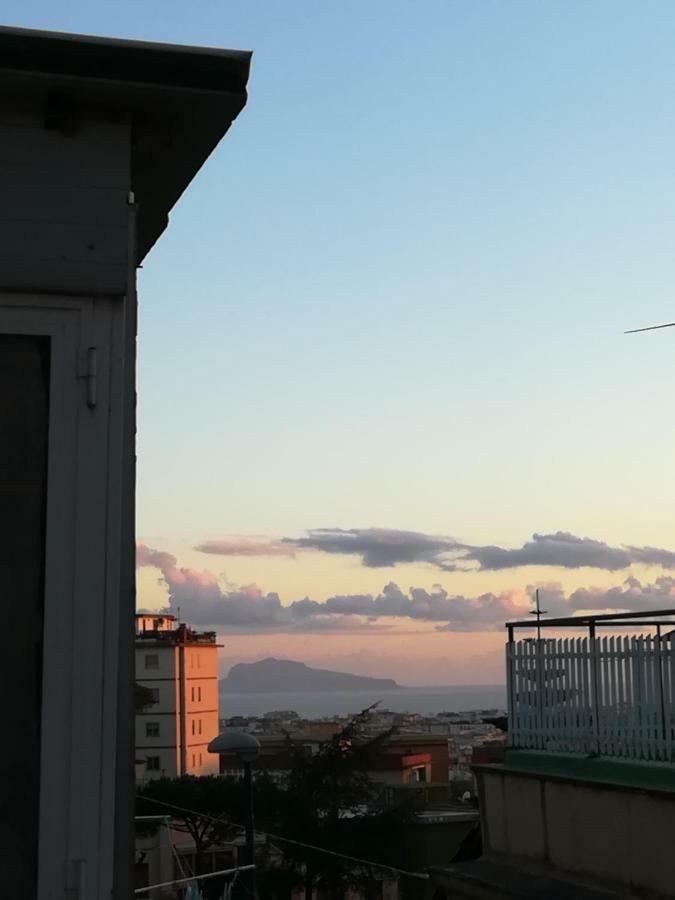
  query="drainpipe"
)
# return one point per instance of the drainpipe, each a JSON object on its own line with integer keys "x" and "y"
{"x": 181, "y": 707}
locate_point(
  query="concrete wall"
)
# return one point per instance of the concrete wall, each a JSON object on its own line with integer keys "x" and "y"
{"x": 201, "y": 708}
{"x": 613, "y": 835}
{"x": 164, "y": 678}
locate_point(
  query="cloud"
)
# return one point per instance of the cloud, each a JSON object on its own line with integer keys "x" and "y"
{"x": 145, "y": 556}
{"x": 377, "y": 547}
{"x": 204, "y": 600}
{"x": 560, "y": 549}
{"x": 631, "y": 595}
{"x": 653, "y": 556}
{"x": 247, "y": 546}
{"x": 386, "y": 547}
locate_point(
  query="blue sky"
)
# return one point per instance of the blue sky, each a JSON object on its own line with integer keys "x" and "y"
{"x": 395, "y": 295}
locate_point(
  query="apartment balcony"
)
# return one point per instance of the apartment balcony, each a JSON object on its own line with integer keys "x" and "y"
{"x": 584, "y": 802}
{"x": 612, "y": 696}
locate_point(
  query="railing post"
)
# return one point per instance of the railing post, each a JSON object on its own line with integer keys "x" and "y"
{"x": 662, "y": 705}
{"x": 595, "y": 686}
{"x": 539, "y": 693}
{"x": 510, "y": 689}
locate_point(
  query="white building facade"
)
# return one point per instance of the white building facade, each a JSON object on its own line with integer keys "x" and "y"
{"x": 179, "y": 666}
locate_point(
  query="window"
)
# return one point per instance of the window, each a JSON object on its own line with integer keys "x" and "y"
{"x": 193, "y": 761}
{"x": 152, "y": 763}
{"x": 155, "y": 694}
{"x": 200, "y": 726}
{"x": 200, "y": 759}
{"x": 152, "y": 729}
{"x": 199, "y": 694}
{"x": 192, "y": 694}
{"x": 193, "y": 726}
{"x": 418, "y": 774}
{"x": 151, "y": 661}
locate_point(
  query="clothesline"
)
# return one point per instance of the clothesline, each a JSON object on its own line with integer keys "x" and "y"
{"x": 152, "y": 887}
{"x": 278, "y": 837}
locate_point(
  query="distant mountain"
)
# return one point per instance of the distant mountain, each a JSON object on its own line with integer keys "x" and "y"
{"x": 286, "y": 676}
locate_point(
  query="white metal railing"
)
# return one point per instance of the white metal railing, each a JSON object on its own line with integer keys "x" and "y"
{"x": 611, "y": 695}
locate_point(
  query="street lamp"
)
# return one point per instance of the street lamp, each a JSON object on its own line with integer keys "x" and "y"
{"x": 245, "y": 747}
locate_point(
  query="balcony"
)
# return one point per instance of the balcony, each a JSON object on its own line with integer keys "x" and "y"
{"x": 612, "y": 695}
{"x": 584, "y": 800}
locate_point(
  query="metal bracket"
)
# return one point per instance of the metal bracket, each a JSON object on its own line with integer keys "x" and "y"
{"x": 87, "y": 369}
{"x": 77, "y": 882}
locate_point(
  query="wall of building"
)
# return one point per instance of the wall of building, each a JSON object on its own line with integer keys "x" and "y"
{"x": 612, "y": 834}
{"x": 64, "y": 215}
{"x": 158, "y": 667}
{"x": 201, "y": 708}
{"x": 161, "y": 751}
{"x": 435, "y": 745}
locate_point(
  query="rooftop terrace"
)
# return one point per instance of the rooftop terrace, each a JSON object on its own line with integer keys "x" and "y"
{"x": 607, "y": 695}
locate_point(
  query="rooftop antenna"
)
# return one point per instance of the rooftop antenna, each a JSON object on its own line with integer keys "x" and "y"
{"x": 538, "y": 612}
{"x": 650, "y": 328}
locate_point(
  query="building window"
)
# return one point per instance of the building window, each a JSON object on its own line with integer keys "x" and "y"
{"x": 151, "y": 661}
{"x": 155, "y": 694}
{"x": 198, "y": 661}
{"x": 152, "y": 729}
{"x": 193, "y": 761}
{"x": 199, "y": 694}
{"x": 152, "y": 763}
{"x": 192, "y": 694}
{"x": 200, "y": 759}
{"x": 193, "y": 726}
{"x": 200, "y": 726}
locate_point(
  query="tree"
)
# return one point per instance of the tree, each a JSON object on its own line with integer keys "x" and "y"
{"x": 200, "y": 807}
{"x": 210, "y": 809}
{"x": 331, "y": 801}
{"x": 142, "y": 697}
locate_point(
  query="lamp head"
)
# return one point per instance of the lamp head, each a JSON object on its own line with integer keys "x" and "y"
{"x": 243, "y": 745}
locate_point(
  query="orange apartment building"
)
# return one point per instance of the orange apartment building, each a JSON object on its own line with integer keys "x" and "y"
{"x": 180, "y": 668}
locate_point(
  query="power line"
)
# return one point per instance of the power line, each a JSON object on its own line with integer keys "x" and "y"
{"x": 278, "y": 837}
{"x": 235, "y": 871}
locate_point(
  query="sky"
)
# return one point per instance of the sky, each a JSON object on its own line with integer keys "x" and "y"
{"x": 381, "y": 343}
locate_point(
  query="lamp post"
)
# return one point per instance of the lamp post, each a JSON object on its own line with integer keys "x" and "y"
{"x": 245, "y": 747}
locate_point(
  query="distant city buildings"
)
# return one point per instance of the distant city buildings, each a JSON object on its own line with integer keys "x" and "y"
{"x": 433, "y": 750}
{"x": 179, "y": 667}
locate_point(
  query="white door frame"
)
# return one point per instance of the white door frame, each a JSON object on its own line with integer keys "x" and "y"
{"x": 82, "y": 587}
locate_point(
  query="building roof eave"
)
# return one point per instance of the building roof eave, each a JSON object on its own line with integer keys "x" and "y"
{"x": 180, "y": 101}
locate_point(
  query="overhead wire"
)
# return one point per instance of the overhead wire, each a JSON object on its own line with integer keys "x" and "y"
{"x": 278, "y": 837}
{"x": 235, "y": 871}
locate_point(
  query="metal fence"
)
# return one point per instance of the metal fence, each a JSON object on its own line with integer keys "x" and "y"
{"x": 609, "y": 695}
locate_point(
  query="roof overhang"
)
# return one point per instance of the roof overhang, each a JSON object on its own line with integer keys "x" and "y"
{"x": 179, "y": 100}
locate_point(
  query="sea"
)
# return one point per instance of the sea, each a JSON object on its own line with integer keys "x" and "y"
{"x": 324, "y": 704}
